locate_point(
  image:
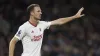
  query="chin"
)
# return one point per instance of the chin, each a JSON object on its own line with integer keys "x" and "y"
{"x": 38, "y": 18}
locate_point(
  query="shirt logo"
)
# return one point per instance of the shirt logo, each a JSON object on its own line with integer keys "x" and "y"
{"x": 36, "y": 38}
{"x": 19, "y": 33}
{"x": 32, "y": 32}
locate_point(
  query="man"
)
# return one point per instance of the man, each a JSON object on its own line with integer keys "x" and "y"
{"x": 31, "y": 32}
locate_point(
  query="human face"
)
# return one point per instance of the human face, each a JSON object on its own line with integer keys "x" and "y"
{"x": 36, "y": 12}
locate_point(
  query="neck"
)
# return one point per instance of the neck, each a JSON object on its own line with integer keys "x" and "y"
{"x": 33, "y": 21}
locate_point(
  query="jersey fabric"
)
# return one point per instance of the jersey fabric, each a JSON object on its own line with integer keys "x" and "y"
{"x": 31, "y": 37}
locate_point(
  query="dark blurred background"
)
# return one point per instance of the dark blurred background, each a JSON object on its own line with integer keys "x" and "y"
{"x": 80, "y": 37}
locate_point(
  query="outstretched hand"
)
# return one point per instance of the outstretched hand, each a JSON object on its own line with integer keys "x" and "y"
{"x": 78, "y": 14}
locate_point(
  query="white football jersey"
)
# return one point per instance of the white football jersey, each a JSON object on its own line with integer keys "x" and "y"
{"x": 31, "y": 37}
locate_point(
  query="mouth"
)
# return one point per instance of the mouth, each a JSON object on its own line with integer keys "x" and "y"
{"x": 40, "y": 16}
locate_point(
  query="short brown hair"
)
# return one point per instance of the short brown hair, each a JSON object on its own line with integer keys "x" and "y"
{"x": 31, "y": 7}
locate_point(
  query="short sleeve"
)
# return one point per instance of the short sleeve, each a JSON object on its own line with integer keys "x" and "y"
{"x": 20, "y": 33}
{"x": 46, "y": 24}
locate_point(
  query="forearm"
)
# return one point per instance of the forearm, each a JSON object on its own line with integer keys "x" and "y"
{"x": 66, "y": 19}
{"x": 61, "y": 21}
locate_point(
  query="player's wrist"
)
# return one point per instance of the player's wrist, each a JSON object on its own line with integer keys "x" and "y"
{"x": 74, "y": 16}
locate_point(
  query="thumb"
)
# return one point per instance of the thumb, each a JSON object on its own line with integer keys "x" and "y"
{"x": 82, "y": 15}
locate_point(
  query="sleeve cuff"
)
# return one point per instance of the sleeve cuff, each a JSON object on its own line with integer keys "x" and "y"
{"x": 17, "y": 37}
{"x": 49, "y": 23}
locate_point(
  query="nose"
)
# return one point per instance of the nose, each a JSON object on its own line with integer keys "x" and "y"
{"x": 40, "y": 12}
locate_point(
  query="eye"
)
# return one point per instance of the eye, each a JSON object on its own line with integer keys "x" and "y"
{"x": 39, "y": 11}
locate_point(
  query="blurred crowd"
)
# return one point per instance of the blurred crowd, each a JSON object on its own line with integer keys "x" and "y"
{"x": 80, "y": 37}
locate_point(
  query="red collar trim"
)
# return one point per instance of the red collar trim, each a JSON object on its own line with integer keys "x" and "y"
{"x": 32, "y": 24}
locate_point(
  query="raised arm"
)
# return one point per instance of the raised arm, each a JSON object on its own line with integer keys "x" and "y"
{"x": 61, "y": 21}
{"x": 12, "y": 46}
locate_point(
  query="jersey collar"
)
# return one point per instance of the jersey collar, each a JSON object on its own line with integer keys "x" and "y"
{"x": 32, "y": 24}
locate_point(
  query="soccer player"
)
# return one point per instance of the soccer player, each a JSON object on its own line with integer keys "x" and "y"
{"x": 31, "y": 32}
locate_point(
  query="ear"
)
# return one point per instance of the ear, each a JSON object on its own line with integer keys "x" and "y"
{"x": 32, "y": 13}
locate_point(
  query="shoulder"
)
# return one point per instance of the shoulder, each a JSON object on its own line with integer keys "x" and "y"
{"x": 44, "y": 21}
{"x": 23, "y": 26}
